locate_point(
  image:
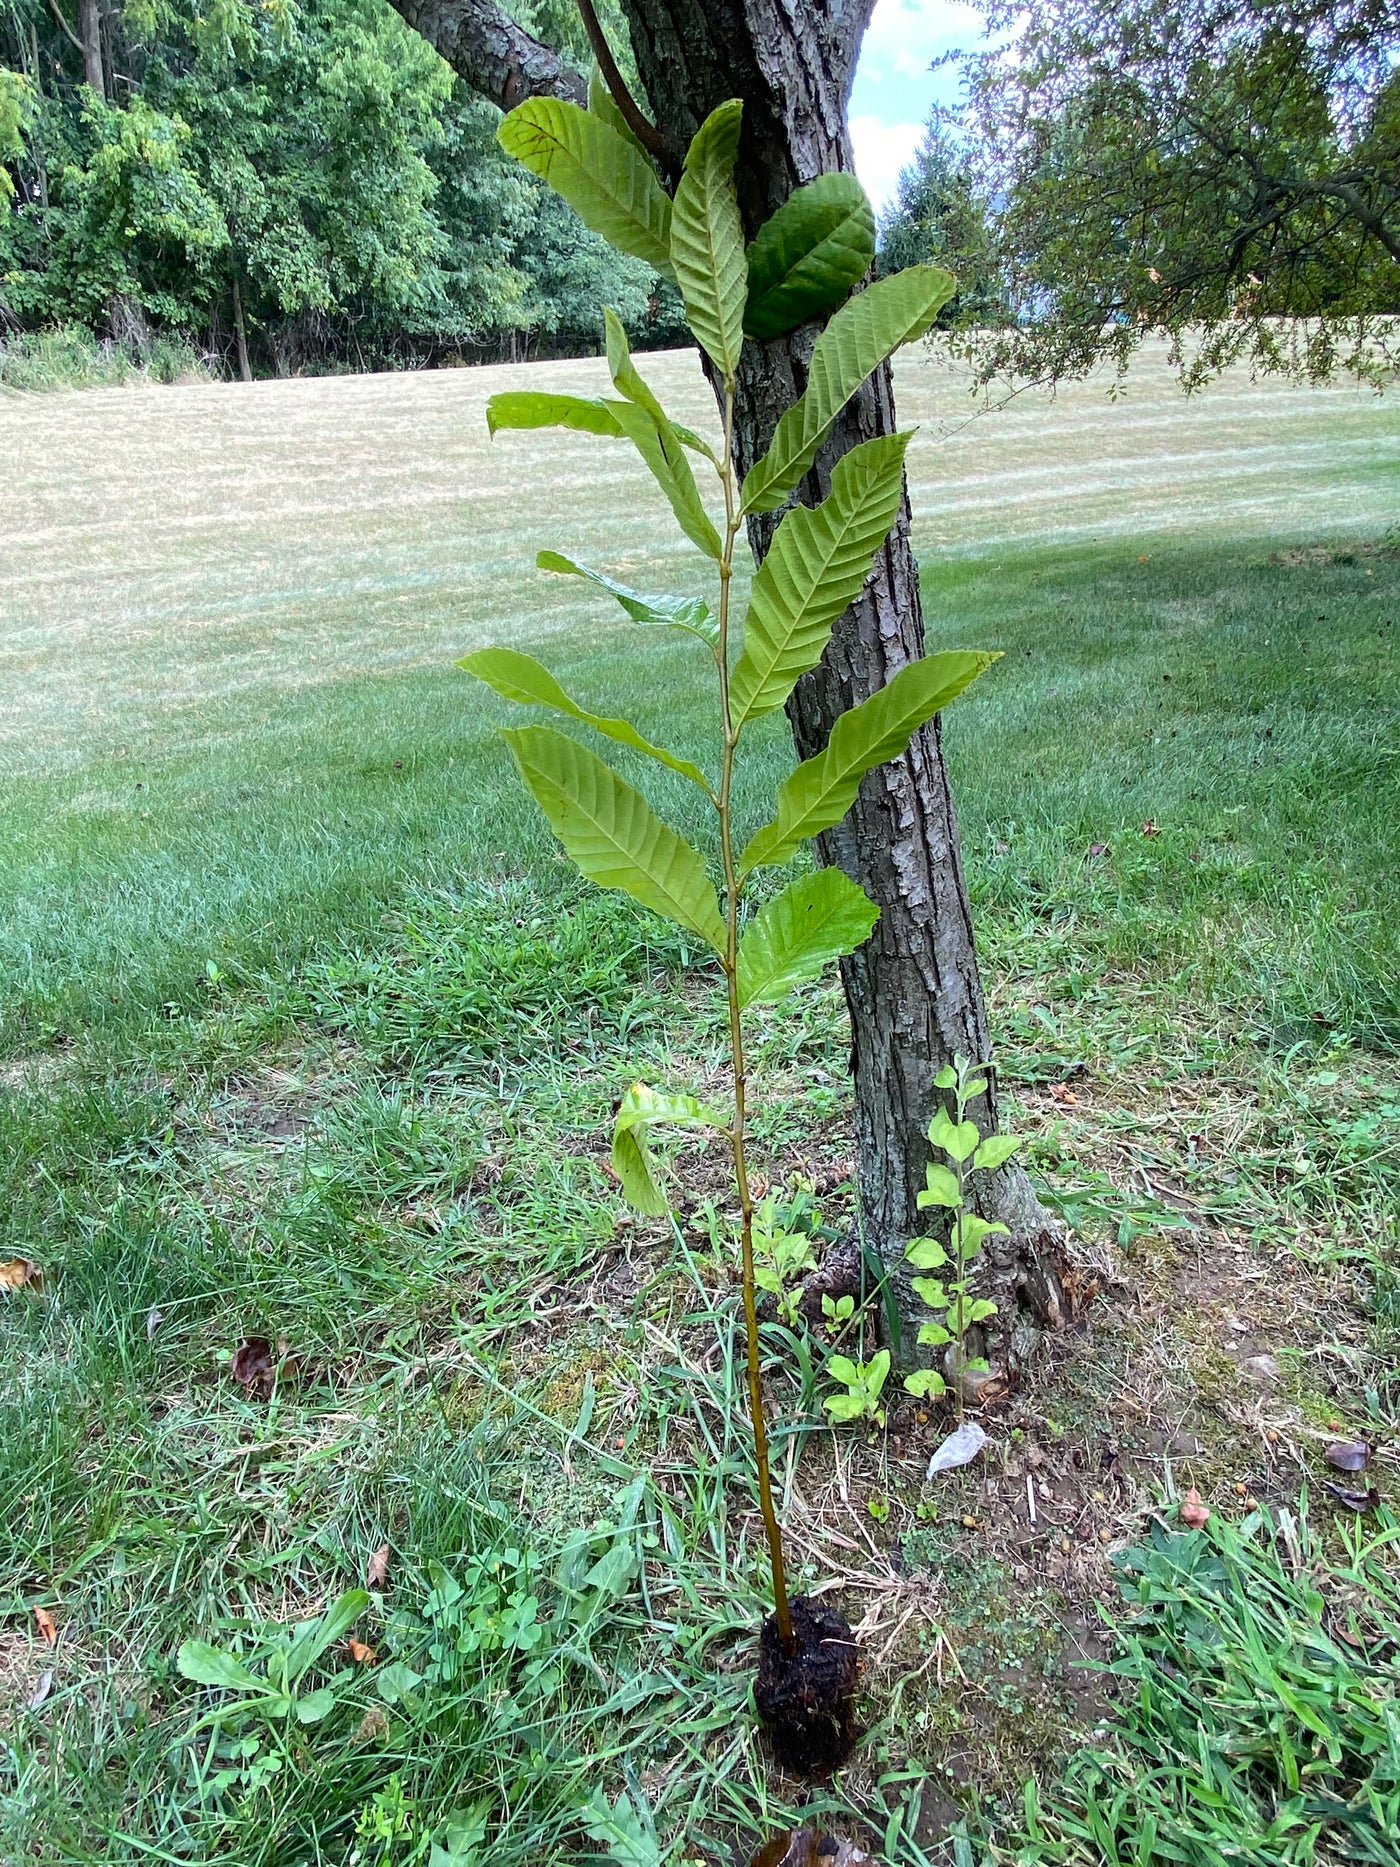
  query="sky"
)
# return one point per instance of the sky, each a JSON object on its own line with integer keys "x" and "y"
{"x": 894, "y": 86}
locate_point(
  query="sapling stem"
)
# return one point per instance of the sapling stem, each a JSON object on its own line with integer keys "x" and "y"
{"x": 733, "y": 887}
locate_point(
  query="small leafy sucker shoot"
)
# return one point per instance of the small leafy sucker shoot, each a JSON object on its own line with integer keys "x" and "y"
{"x": 801, "y": 266}
{"x": 951, "y": 1297}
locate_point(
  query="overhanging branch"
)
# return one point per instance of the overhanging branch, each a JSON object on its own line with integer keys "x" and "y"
{"x": 488, "y": 51}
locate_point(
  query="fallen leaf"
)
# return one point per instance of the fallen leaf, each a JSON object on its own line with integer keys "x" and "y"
{"x": 796, "y": 1848}
{"x": 1150, "y": 828}
{"x": 374, "y": 1724}
{"x": 959, "y": 1448}
{"x": 805, "y": 1847}
{"x": 41, "y": 1691}
{"x": 1194, "y": 1514}
{"x": 1353, "y": 1500}
{"x": 17, "y": 1273}
{"x": 154, "y": 1318}
{"x": 258, "y": 1367}
{"x": 43, "y": 1620}
{"x": 1349, "y": 1455}
{"x": 377, "y": 1570}
{"x": 360, "y": 1653}
{"x": 1059, "y": 1093}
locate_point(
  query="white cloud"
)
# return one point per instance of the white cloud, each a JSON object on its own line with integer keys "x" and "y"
{"x": 882, "y": 150}
{"x": 895, "y": 87}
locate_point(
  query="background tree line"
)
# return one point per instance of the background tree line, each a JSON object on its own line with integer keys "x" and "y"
{"x": 284, "y": 185}
{"x": 294, "y": 184}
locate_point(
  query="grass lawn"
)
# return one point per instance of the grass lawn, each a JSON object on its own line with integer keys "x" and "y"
{"x": 310, "y": 1038}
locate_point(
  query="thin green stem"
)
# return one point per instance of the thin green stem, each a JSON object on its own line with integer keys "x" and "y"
{"x": 737, "y": 1134}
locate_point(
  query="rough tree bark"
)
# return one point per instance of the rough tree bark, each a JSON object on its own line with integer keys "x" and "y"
{"x": 914, "y": 990}
{"x": 90, "y": 27}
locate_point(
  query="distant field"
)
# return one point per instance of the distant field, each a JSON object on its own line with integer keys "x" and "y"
{"x": 174, "y": 558}
{"x": 231, "y": 728}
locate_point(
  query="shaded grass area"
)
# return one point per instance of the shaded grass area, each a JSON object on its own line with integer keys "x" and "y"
{"x": 1248, "y": 709}
{"x": 342, "y": 1035}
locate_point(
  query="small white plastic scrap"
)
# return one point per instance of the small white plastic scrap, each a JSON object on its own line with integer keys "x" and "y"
{"x": 959, "y": 1448}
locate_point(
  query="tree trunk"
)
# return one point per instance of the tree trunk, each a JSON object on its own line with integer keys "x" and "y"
{"x": 914, "y": 990}
{"x": 240, "y": 331}
{"x": 90, "y": 30}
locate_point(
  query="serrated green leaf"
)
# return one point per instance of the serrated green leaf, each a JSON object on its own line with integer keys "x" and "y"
{"x": 641, "y": 1110}
{"x": 642, "y": 418}
{"x": 656, "y": 612}
{"x": 959, "y": 1139}
{"x": 808, "y": 255}
{"x": 707, "y": 239}
{"x": 612, "y": 833}
{"x": 941, "y": 1188}
{"x": 208, "y": 1665}
{"x": 996, "y": 1149}
{"x": 816, "y": 919}
{"x": 925, "y": 1254}
{"x": 822, "y": 789}
{"x": 532, "y": 408}
{"x": 858, "y": 339}
{"x": 603, "y": 105}
{"x": 519, "y": 677}
{"x": 818, "y": 564}
{"x": 629, "y": 1836}
{"x": 606, "y": 180}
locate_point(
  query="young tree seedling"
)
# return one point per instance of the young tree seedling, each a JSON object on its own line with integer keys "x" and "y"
{"x": 801, "y": 266}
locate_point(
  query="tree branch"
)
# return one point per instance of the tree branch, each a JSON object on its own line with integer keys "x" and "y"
{"x": 488, "y": 51}
{"x": 645, "y": 132}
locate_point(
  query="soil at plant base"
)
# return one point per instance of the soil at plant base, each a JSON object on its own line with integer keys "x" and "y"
{"x": 806, "y": 1698}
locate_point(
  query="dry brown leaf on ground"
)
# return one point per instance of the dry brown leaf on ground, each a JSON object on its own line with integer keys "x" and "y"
{"x": 1194, "y": 1514}
{"x": 258, "y": 1367}
{"x": 1349, "y": 1455}
{"x": 43, "y": 1620}
{"x": 360, "y": 1653}
{"x": 377, "y": 1572}
{"x": 807, "y": 1847}
{"x": 21, "y": 1274}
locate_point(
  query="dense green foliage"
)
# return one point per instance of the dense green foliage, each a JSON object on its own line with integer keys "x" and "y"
{"x": 940, "y": 217}
{"x": 317, "y": 157}
{"x": 1228, "y": 175}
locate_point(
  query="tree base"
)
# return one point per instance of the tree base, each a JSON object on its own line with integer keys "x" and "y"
{"x": 806, "y": 1699}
